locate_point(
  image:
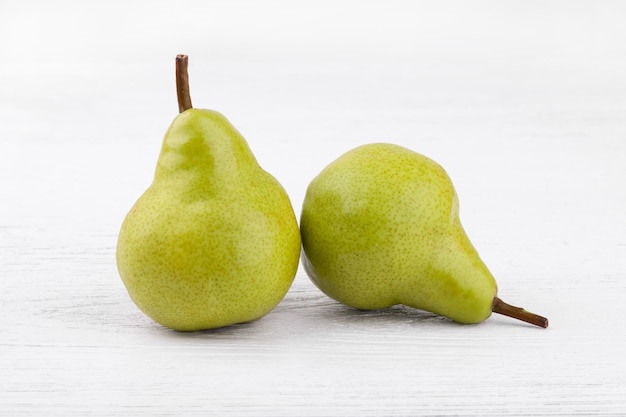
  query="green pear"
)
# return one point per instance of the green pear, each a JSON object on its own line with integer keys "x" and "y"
{"x": 214, "y": 240}
{"x": 380, "y": 226}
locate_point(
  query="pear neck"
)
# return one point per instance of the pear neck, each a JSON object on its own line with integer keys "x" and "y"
{"x": 460, "y": 285}
{"x": 203, "y": 143}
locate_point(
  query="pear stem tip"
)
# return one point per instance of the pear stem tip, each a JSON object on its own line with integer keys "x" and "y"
{"x": 518, "y": 313}
{"x": 182, "y": 83}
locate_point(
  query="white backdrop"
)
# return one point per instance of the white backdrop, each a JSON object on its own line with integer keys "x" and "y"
{"x": 523, "y": 102}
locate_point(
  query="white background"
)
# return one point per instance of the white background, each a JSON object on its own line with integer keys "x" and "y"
{"x": 523, "y": 102}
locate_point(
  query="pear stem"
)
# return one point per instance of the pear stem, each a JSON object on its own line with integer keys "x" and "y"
{"x": 182, "y": 83}
{"x": 503, "y": 308}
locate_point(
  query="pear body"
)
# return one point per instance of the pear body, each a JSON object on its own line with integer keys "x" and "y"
{"x": 380, "y": 226}
{"x": 214, "y": 240}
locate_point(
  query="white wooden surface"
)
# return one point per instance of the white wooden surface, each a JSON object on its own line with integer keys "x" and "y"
{"x": 524, "y": 103}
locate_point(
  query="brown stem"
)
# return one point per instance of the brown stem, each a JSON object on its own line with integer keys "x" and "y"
{"x": 501, "y": 307}
{"x": 182, "y": 83}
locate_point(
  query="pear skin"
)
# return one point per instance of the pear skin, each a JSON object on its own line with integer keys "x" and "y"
{"x": 214, "y": 240}
{"x": 380, "y": 226}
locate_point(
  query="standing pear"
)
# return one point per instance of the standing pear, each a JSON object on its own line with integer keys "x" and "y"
{"x": 214, "y": 240}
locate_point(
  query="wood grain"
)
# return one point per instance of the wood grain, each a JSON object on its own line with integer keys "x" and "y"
{"x": 534, "y": 143}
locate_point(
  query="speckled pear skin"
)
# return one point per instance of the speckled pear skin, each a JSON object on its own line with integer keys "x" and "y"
{"x": 214, "y": 240}
{"x": 380, "y": 226}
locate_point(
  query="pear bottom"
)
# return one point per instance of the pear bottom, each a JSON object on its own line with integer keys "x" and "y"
{"x": 211, "y": 270}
